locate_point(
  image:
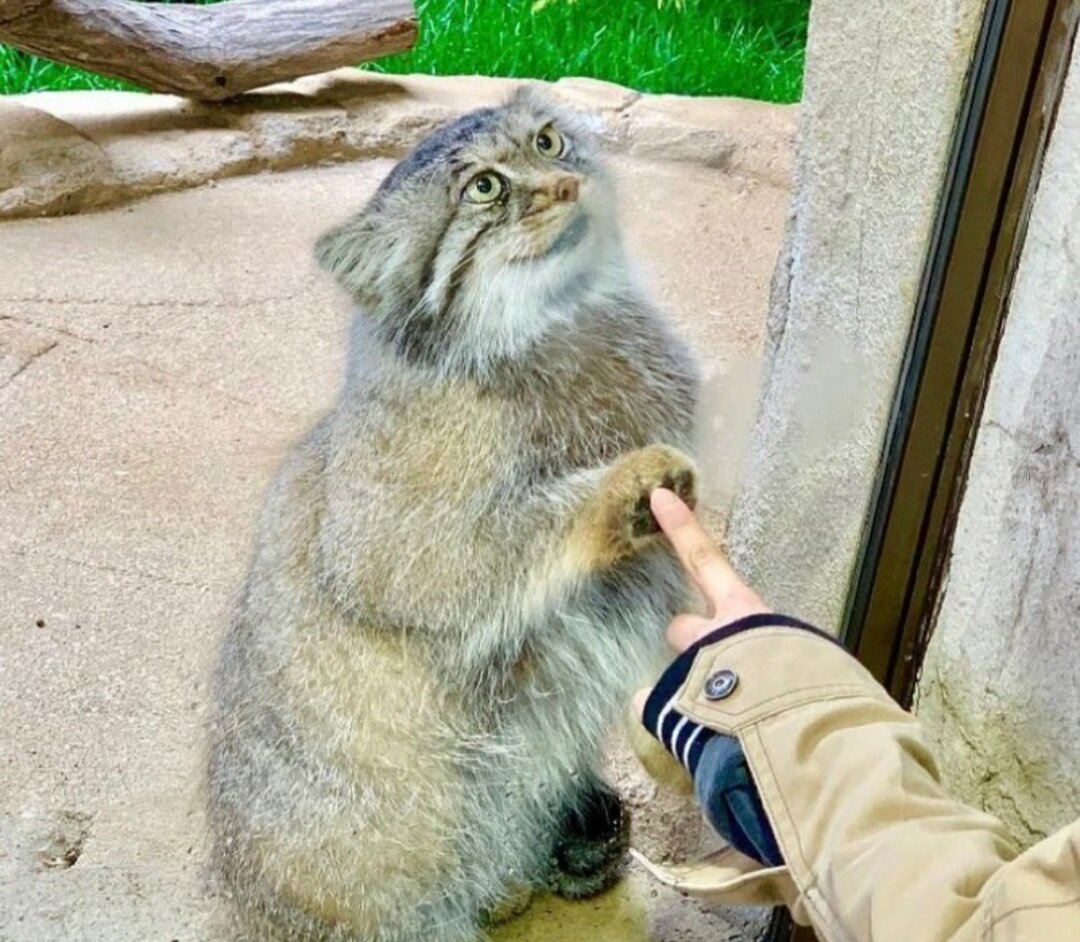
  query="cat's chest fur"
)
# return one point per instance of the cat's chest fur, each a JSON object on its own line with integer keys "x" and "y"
{"x": 579, "y": 401}
{"x": 587, "y": 398}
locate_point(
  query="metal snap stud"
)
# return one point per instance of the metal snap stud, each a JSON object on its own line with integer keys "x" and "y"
{"x": 721, "y": 684}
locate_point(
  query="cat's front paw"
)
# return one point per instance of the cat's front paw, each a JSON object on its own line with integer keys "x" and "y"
{"x": 618, "y": 521}
{"x": 631, "y": 482}
{"x": 683, "y": 481}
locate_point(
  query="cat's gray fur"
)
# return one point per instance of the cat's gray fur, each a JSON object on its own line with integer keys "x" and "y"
{"x": 456, "y": 582}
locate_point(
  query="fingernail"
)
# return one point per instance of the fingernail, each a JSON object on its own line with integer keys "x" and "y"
{"x": 663, "y": 499}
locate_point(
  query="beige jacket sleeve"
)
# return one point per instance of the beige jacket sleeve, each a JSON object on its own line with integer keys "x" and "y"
{"x": 875, "y": 849}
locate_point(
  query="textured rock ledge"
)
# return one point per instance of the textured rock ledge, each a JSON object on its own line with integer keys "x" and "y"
{"x": 68, "y": 152}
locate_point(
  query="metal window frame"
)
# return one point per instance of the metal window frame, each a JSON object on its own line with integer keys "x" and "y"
{"x": 1010, "y": 103}
{"x": 1013, "y": 90}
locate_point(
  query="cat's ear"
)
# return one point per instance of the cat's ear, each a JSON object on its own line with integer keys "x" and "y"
{"x": 349, "y": 253}
{"x": 532, "y": 97}
{"x": 545, "y": 105}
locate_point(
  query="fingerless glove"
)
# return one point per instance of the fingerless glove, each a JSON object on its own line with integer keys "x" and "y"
{"x": 723, "y": 784}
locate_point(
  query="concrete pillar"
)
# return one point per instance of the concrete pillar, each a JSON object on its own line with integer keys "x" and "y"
{"x": 883, "y": 85}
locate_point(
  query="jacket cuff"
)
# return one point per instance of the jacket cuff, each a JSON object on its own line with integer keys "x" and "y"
{"x": 681, "y": 735}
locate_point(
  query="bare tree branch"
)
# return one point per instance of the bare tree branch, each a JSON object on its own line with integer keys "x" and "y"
{"x": 209, "y": 52}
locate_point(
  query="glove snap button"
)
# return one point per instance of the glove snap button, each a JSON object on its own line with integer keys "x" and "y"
{"x": 721, "y": 685}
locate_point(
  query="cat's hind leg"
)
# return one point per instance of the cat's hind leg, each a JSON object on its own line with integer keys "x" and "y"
{"x": 591, "y": 847}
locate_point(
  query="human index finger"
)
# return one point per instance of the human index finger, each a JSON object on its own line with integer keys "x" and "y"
{"x": 700, "y": 555}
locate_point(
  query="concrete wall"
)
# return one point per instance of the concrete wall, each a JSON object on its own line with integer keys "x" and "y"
{"x": 1001, "y": 683}
{"x": 883, "y": 85}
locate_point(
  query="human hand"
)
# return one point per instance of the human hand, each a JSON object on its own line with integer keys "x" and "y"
{"x": 727, "y": 596}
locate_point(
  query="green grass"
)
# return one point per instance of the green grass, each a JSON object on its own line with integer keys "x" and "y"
{"x": 749, "y": 48}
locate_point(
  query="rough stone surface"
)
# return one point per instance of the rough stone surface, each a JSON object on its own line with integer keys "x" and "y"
{"x": 883, "y": 83}
{"x": 40, "y": 153}
{"x": 999, "y": 689}
{"x": 63, "y": 152}
{"x": 156, "y": 360}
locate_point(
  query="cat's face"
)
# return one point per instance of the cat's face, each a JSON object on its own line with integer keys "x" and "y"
{"x": 484, "y": 236}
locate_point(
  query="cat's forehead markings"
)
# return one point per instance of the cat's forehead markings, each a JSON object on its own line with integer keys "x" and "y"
{"x": 493, "y": 157}
{"x": 497, "y": 144}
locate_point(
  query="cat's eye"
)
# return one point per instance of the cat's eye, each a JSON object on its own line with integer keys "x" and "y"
{"x": 485, "y": 187}
{"x": 549, "y": 142}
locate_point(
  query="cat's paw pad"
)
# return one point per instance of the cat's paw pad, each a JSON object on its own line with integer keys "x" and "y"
{"x": 641, "y": 520}
{"x": 618, "y": 521}
{"x": 637, "y": 475}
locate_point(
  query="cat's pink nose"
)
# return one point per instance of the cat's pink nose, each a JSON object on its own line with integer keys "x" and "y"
{"x": 567, "y": 189}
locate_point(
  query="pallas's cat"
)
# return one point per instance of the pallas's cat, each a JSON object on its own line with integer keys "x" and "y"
{"x": 457, "y": 581}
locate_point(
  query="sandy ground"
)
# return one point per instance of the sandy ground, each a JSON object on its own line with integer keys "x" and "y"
{"x": 156, "y": 361}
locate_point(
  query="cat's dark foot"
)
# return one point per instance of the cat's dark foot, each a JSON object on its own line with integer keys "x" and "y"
{"x": 589, "y": 854}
